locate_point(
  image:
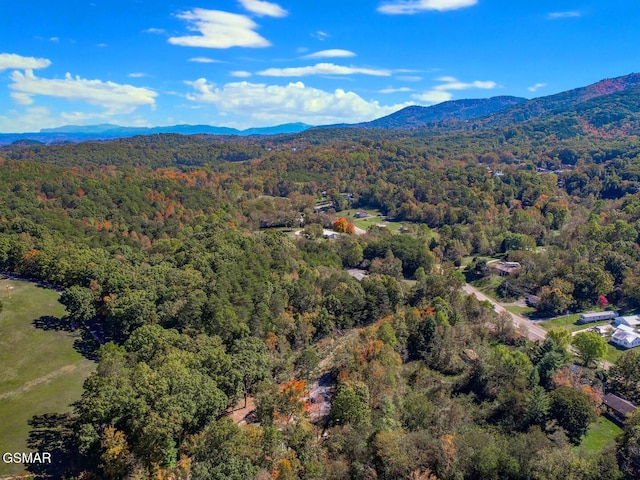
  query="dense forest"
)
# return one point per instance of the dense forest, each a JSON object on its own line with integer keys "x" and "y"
{"x": 202, "y": 262}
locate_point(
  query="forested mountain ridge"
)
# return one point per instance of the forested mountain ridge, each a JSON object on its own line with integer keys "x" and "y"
{"x": 453, "y": 110}
{"x": 544, "y": 107}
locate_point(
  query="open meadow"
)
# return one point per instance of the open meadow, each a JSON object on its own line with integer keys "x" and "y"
{"x": 42, "y": 368}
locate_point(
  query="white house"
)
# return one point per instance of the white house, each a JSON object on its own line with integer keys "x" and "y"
{"x": 626, "y": 337}
{"x": 596, "y": 317}
{"x": 631, "y": 321}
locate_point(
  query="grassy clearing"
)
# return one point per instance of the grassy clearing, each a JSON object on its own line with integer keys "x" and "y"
{"x": 518, "y": 310}
{"x": 373, "y": 219}
{"x": 40, "y": 370}
{"x": 599, "y": 435}
{"x": 488, "y": 285}
{"x": 613, "y": 353}
{"x": 569, "y": 322}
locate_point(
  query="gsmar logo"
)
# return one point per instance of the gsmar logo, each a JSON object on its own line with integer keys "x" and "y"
{"x": 26, "y": 458}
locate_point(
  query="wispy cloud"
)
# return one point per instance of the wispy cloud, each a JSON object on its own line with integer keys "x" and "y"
{"x": 557, "y": 15}
{"x": 262, "y": 8}
{"x": 11, "y": 61}
{"x": 322, "y": 69}
{"x": 54, "y": 39}
{"x": 204, "y": 60}
{"x": 102, "y": 45}
{"x": 114, "y": 98}
{"x": 410, "y": 7}
{"x": 333, "y": 53}
{"x": 264, "y": 104}
{"x": 137, "y": 75}
{"x": 409, "y": 78}
{"x": 452, "y": 83}
{"x": 442, "y": 93}
{"x": 320, "y": 35}
{"x": 395, "y": 90}
{"x": 156, "y": 31}
{"x": 240, "y": 74}
{"x": 219, "y": 30}
{"x": 536, "y": 87}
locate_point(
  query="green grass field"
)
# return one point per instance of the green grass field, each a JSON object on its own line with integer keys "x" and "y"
{"x": 40, "y": 370}
{"x": 518, "y": 310}
{"x": 599, "y": 435}
{"x": 488, "y": 285}
{"x": 613, "y": 353}
{"x": 569, "y": 322}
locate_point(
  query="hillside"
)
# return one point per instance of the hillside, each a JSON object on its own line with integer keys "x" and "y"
{"x": 468, "y": 109}
{"x": 564, "y": 102}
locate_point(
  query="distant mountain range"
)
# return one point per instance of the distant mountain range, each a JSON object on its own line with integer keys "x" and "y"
{"x": 77, "y": 133}
{"x": 609, "y": 106}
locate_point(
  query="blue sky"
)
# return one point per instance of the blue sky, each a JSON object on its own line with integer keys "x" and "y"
{"x": 245, "y": 63}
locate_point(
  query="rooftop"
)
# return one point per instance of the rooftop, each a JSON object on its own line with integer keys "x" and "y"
{"x": 618, "y": 404}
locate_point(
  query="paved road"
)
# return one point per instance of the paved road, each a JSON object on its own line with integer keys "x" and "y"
{"x": 534, "y": 332}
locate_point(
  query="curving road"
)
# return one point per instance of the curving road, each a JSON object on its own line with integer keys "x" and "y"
{"x": 534, "y": 332}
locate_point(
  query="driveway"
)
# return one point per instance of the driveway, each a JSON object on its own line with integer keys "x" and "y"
{"x": 534, "y": 332}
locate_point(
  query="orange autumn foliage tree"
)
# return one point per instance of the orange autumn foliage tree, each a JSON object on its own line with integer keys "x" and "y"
{"x": 291, "y": 399}
{"x": 340, "y": 225}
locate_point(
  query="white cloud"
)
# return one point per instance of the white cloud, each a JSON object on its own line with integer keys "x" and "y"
{"x": 442, "y": 93}
{"x": 219, "y": 30}
{"x": 204, "y": 60}
{"x": 102, "y": 45}
{"x": 409, "y": 78}
{"x": 137, "y": 75}
{"x": 156, "y": 31}
{"x": 433, "y": 96}
{"x": 269, "y": 104}
{"x": 332, "y": 53}
{"x": 394, "y": 90}
{"x": 452, "y": 83}
{"x": 54, "y": 39}
{"x": 320, "y": 35}
{"x": 536, "y": 87}
{"x": 409, "y": 7}
{"x": 114, "y": 98}
{"x": 322, "y": 69}
{"x": 31, "y": 120}
{"x": 264, "y": 8}
{"x": 240, "y": 74}
{"x": 557, "y": 15}
{"x": 10, "y": 61}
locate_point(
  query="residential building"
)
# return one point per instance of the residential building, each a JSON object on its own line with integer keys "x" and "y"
{"x": 596, "y": 317}
{"x": 618, "y": 407}
{"x": 631, "y": 321}
{"x": 626, "y": 337}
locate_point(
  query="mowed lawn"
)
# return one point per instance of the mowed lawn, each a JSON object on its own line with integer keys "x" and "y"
{"x": 40, "y": 371}
{"x": 570, "y": 323}
{"x": 600, "y": 433}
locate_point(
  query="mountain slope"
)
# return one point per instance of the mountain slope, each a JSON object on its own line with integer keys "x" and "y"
{"x": 561, "y": 102}
{"x": 417, "y": 117}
